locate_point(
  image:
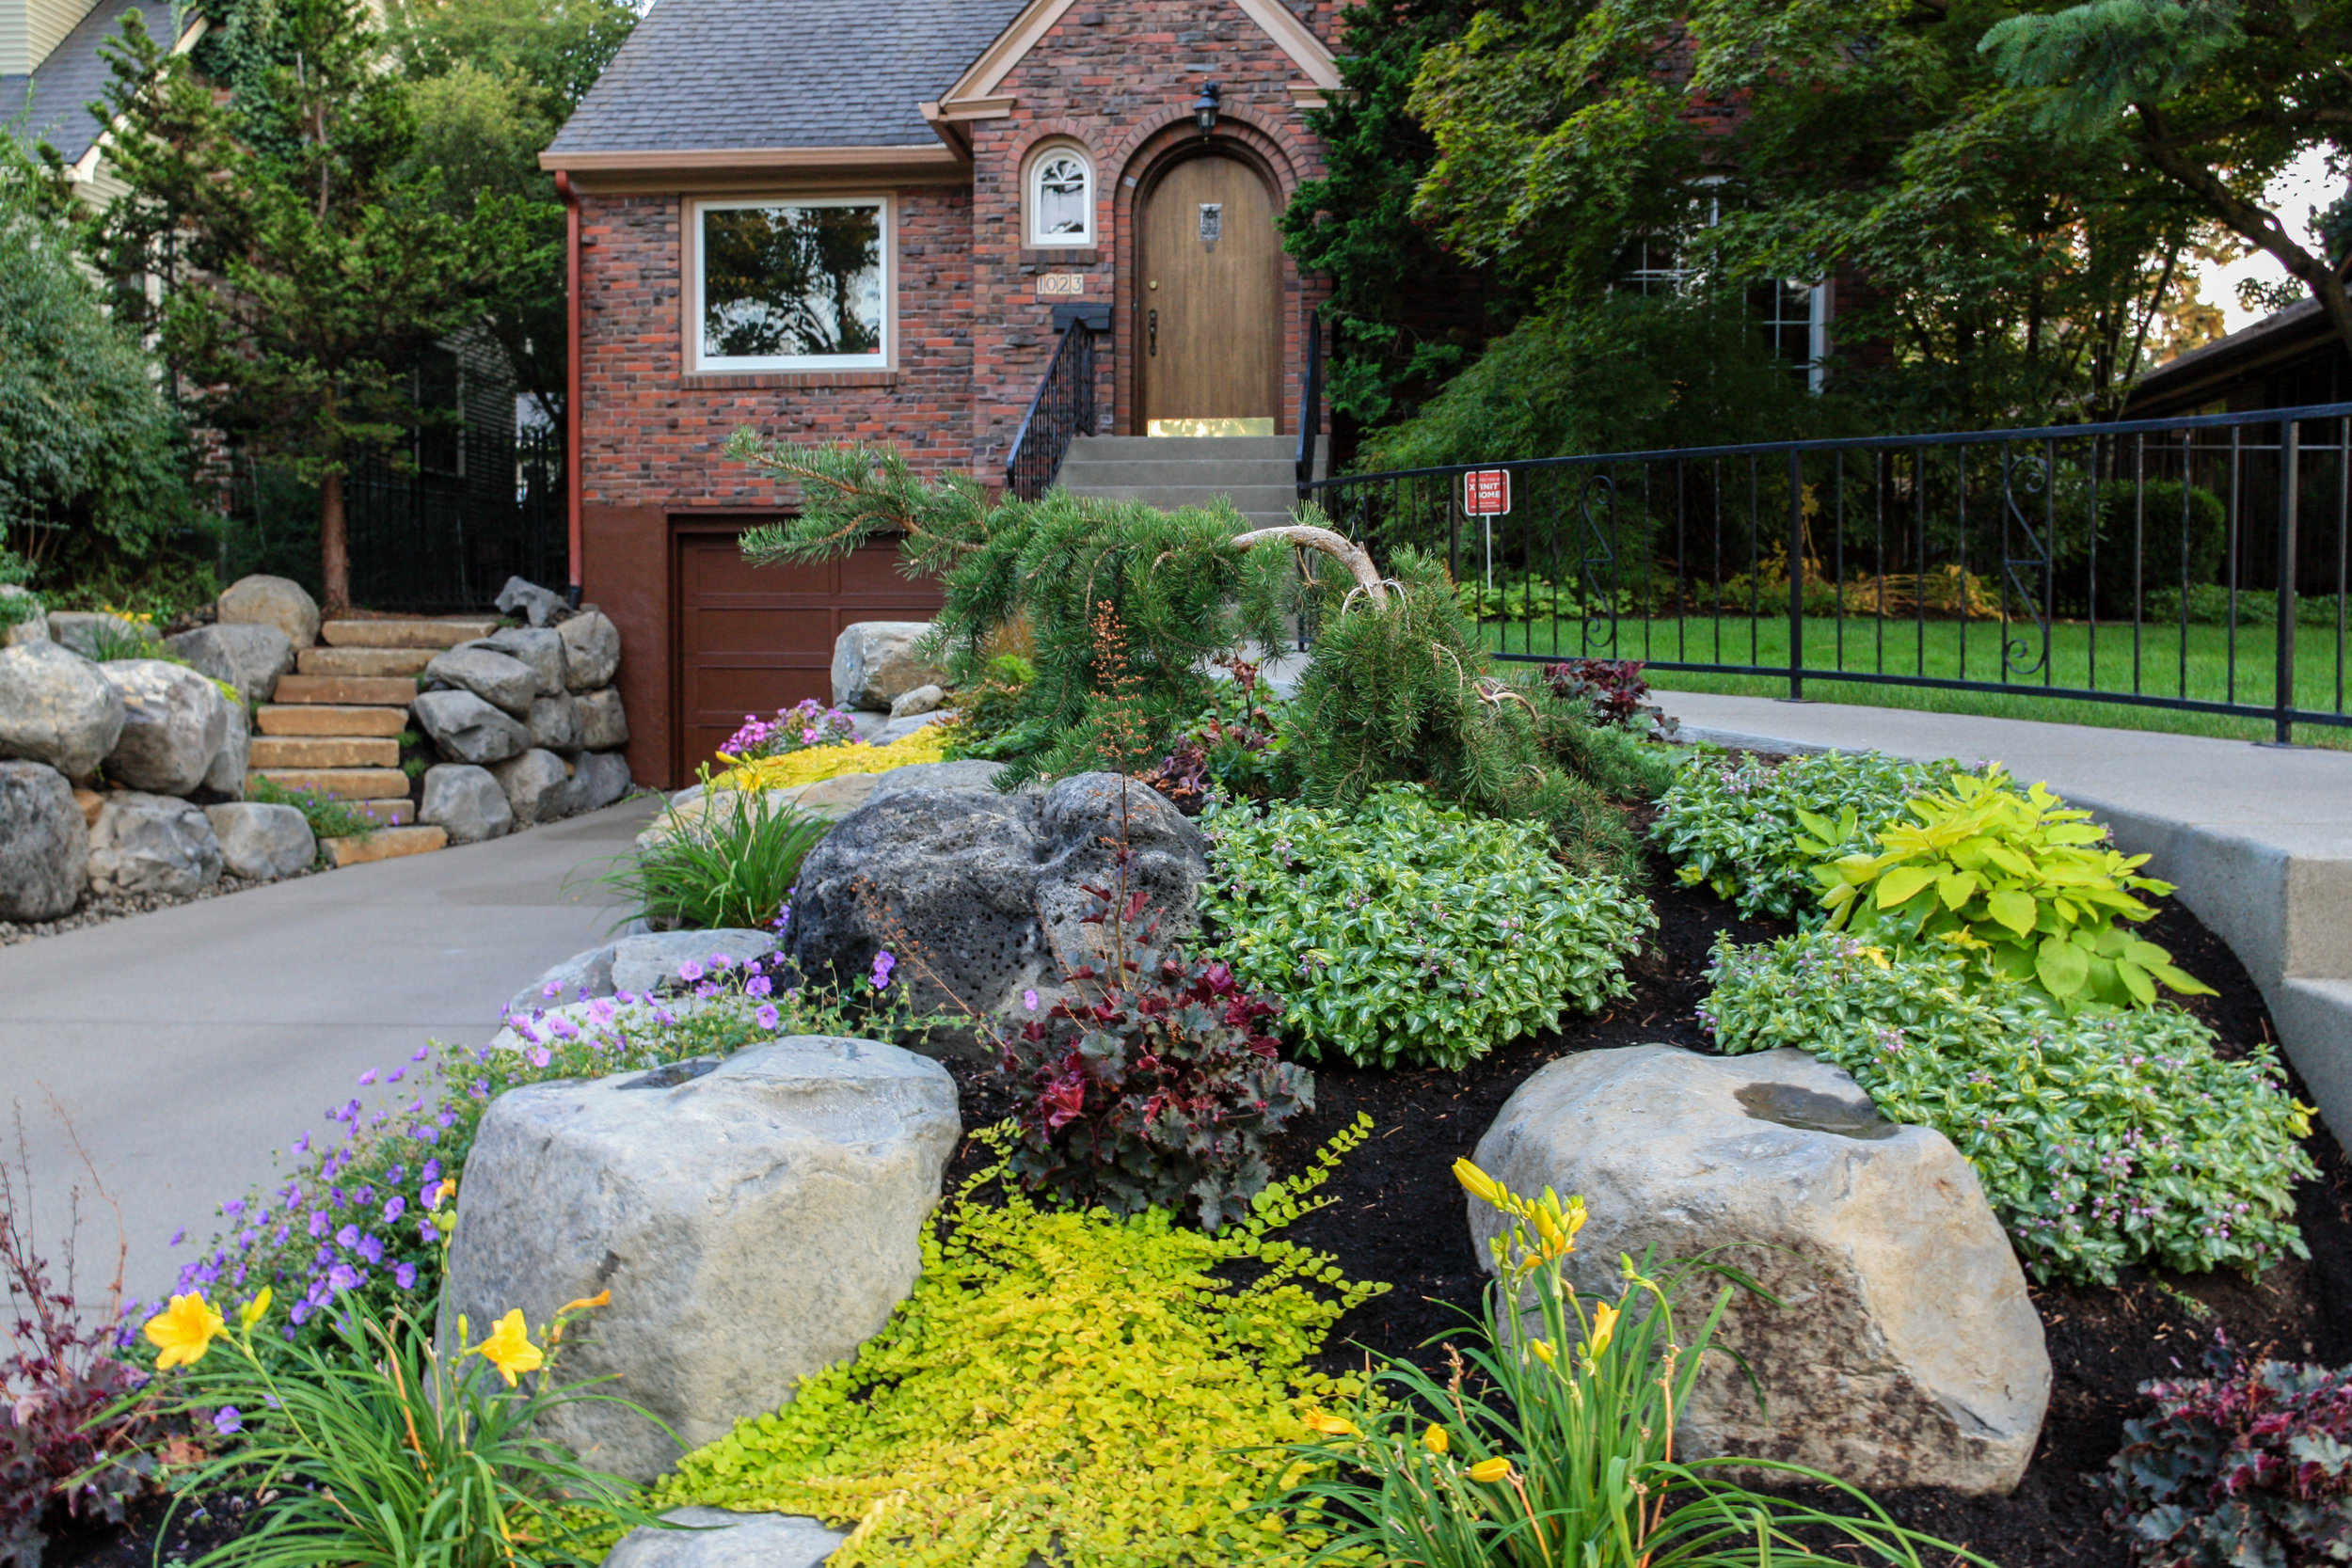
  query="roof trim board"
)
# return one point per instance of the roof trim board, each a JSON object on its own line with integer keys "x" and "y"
{"x": 922, "y": 159}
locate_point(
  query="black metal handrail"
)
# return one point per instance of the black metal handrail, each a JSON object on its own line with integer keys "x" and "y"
{"x": 1061, "y": 410}
{"x": 1309, "y": 403}
{"x": 2201, "y": 563}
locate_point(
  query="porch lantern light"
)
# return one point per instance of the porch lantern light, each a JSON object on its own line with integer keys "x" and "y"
{"x": 1204, "y": 108}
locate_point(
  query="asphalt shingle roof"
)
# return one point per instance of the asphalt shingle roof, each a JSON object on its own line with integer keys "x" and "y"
{"x": 725, "y": 74}
{"x": 62, "y": 88}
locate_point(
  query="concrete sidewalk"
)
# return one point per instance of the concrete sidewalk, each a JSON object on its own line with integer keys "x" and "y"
{"x": 184, "y": 1046}
{"x": 2259, "y": 838}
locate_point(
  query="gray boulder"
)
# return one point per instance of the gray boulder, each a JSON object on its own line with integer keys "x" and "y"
{"x": 225, "y": 774}
{"x": 57, "y": 708}
{"x": 32, "y": 628}
{"x": 538, "y": 786}
{"x": 603, "y": 726}
{"x": 463, "y": 728}
{"x": 899, "y": 729}
{"x": 1909, "y": 1354}
{"x": 554, "y": 722}
{"x": 923, "y": 698}
{"x": 754, "y": 1224}
{"x": 152, "y": 844}
{"x": 714, "y": 1537}
{"x": 646, "y": 963}
{"x": 537, "y": 647}
{"x": 466, "y": 802}
{"x": 966, "y": 874}
{"x": 581, "y": 977}
{"x": 174, "y": 722}
{"x": 598, "y": 779}
{"x": 592, "y": 649}
{"x": 874, "y": 663}
{"x": 537, "y": 605}
{"x": 501, "y": 680}
{"x": 250, "y": 655}
{"x": 44, "y": 845}
{"x": 269, "y": 601}
{"x": 91, "y": 632}
{"x": 262, "y": 843}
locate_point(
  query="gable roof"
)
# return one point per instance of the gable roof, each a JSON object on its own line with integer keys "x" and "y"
{"x": 971, "y": 96}
{"x": 53, "y": 101}
{"x": 722, "y": 76}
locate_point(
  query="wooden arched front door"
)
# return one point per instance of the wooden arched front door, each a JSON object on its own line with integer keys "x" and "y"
{"x": 1208, "y": 297}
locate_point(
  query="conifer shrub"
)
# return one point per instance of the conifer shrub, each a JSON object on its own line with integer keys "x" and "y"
{"x": 1410, "y": 932}
{"x": 1097, "y": 1390}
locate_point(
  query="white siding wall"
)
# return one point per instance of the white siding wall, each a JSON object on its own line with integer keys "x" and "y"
{"x": 29, "y": 29}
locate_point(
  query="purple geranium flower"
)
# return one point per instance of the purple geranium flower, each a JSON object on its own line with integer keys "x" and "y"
{"x": 766, "y": 1017}
{"x": 883, "y": 964}
{"x": 227, "y": 1421}
{"x": 394, "y": 1206}
{"x": 405, "y": 1276}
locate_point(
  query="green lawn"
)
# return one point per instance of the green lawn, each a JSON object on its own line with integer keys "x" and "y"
{"x": 2097, "y": 659}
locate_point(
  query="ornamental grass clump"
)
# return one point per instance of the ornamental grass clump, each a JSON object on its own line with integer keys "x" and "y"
{"x": 2104, "y": 1138}
{"x": 1105, "y": 1392}
{"x": 1552, "y": 1442}
{"x": 733, "y": 865}
{"x": 1408, "y": 933}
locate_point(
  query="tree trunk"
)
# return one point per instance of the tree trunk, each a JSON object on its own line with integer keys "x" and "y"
{"x": 334, "y": 546}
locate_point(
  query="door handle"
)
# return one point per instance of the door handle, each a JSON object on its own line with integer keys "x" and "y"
{"x": 1152, "y": 331}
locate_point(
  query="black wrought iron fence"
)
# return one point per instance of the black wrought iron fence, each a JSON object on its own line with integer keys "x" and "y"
{"x": 1062, "y": 409}
{"x": 2200, "y": 563}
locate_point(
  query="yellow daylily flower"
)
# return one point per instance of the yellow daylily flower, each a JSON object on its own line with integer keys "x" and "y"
{"x": 1329, "y": 1425}
{"x": 1483, "y": 1187}
{"x": 255, "y": 1310}
{"x": 1490, "y": 1469}
{"x": 1544, "y": 1352}
{"x": 1604, "y": 1328}
{"x": 602, "y": 1298}
{"x": 509, "y": 1347}
{"x": 1435, "y": 1439}
{"x": 184, "y": 1331}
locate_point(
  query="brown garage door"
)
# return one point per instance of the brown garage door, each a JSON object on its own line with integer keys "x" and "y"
{"x": 754, "y": 639}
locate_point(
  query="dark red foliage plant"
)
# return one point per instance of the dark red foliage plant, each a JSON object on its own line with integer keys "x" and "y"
{"x": 2246, "y": 1467}
{"x": 68, "y": 1448}
{"x": 1614, "y": 687}
{"x": 1154, "y": 1082}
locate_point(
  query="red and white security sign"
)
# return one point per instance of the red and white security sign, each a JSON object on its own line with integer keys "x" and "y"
{"x": 1487, "y": 492}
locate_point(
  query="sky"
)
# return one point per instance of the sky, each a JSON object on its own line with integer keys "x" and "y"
{"x": 2304, "y": 186}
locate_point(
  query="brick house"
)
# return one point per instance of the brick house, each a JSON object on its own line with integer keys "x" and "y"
{"x": 829, "y": 219}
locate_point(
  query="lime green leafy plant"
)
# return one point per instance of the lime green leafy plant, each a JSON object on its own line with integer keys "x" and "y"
{"x": 1406, "y": 932}
{"x": 2106, "y": 1138}
{"x": 1553, "y": 1443}
{"x": 1098, "y": 1390}
{"x": 2019, "y": 875}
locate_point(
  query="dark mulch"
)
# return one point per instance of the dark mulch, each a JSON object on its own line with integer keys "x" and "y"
{"x": 1397, "y": 1215}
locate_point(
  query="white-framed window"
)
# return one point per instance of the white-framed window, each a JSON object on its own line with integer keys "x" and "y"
{"x": 793, "y": 283}
{"x": 1060, "y": 197}
{"x": 1793, "y": 312}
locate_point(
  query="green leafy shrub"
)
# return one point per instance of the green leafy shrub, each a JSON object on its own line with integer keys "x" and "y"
{"x": 1101, "y": 1392}
{"x": 1152, "y": 1083}
{"x": 735, "y": 865}
{"x": 2157, "y": 539}
{"x": 1237, "y": 748}
{"x": 2032, "y": 883}
{"x": 2249, "y": 1464}
{"x": 1558, "y": 1448}
{"x": 328, "y": 817}
{"x": 2209, "y": 605}
{"x": 2110, "y": 1137}
{"x": 1734, "y": 825}
{"x": 1410, "y": 932}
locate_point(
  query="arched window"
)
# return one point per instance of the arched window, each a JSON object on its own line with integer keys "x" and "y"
{"x": 1061, "y": 199}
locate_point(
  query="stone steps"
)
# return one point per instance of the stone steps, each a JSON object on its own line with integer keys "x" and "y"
{"x": 1258, "y": 474}
{"x": 347, "y": 690}
{"x": 323, "y": 751}
{"x": 330, "y": 720}
{"x": 363, "y": 661}
{"x": 436, "y": 633}
{"x": 340, "y": 784}
{"x": 386, "y": 844}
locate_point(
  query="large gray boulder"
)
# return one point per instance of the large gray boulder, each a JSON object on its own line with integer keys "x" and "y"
{"x": 225, "y": 774}
{"x": 501, "y": 680}
{"x": 874, "y": 663}
{"x": 95, "y": 632}
{"x": 592, "y": 649}
{"x": 598, "y": 779}
{"x": 754, "y": 1224}
{"x": 268, "y": 601}
{"x": 554, "y": 722}
{"x": 646, "y": 962}
{"x": 603, "y": 726}
{"x": 463, "y": 728}
{"x": 537, "y": 605}
{"x": 581, "y": 977}
{"x": 44, "y": 845}
{"x": 145, "y": 843}
{"x": 174, "y": 722}
{"x": 538, "y": 786}
{"x": 968, "y": 874}
{"x": 250, "y": 655}
{"x": 715, "y": 1538}
{"x": 262, "y": 843}
{"x": 1909, "y": 1354}
{"x": 538, "y": 647}
{"x": 33, "y": 625}
{"x": 57, "y": 708}
{"x": 466, "y": 802}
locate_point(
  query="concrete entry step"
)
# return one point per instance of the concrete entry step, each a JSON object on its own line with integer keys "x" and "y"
{"x": 323, "y": 751}
{"x": 363, "y": 661}
{"x": 343, "y": 783}
{"x": 331, "y": 719}
{"x": 418, "y": 633}
{"x": 371, "y": 690}
{"x": 386, "y": 844}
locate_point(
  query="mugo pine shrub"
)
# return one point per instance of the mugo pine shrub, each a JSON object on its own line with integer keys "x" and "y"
{"x": 2106, "y": 1138}
{"x": 1407, "y": 933}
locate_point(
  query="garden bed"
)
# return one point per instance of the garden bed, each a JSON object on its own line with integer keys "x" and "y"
{"x": 1398, "y": 1215}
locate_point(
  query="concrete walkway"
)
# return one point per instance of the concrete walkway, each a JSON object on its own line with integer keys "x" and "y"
{"x": 2258, "y": 838}
{"x": 184, "y": 1046}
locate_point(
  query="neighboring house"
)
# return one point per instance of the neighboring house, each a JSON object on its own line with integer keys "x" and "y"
{"x": 2291, "y": 358}
{"x": 51, "y": 71}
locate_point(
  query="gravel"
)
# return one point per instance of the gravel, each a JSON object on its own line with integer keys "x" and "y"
{"x": 100, "y": 910}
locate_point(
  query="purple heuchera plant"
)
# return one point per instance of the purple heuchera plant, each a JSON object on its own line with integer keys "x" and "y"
{"x": 2250, "y": 1466}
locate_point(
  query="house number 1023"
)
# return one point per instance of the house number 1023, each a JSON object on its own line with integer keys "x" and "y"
{"x": 1052, "y": 283}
